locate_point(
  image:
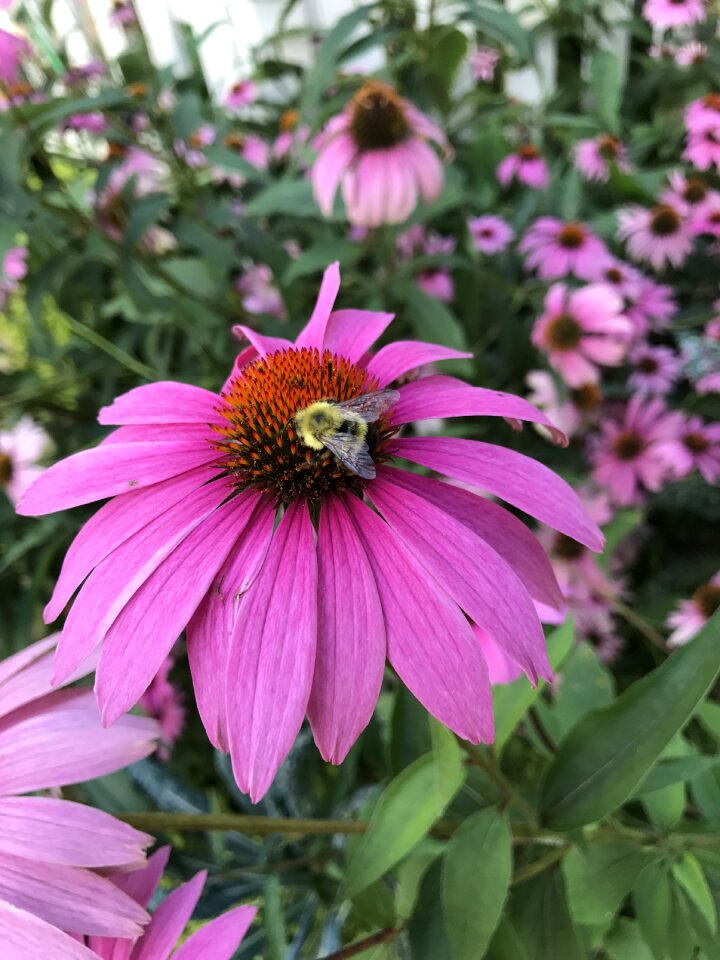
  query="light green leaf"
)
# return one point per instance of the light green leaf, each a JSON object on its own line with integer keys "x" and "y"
{"x": 625, "y": 942}
{"x": 476, "y": 878}
{"x": 426, "y": 931}
{"x": 652, "y": 898}
{"x": 606, "y": 84}
{"x": 431, "y": 319}
{"x": 329, "y": 55}
{"x": 412, "y": 803}
{"x": 675, "y": 770}
{"x": 502, "y": 25}
{"x": 689, "y": 875}
{"x": 602, "y": 760}
{"x": 585, "y": 685}
{"x": 317, "y": 257}
{"x": 599, "y": 878}
{"x": 291, "y": 197}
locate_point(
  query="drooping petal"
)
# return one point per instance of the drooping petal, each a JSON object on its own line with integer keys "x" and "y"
{"x": 163, "y": 402}
{"x": 142, "y": 884}
{"x": 272, "y": 655}
{"x": 430, "y": 643}
{"x": 313, "y": 333}
{"x": 66, "y": 744}
{"x": 351, "y": 333}
{"x": 328, "y": 169}
{"x": 114, "y": 581}
{"x": 145, "y": 630}
{"x": 73, "y": 899}
{"x": 396, "y": 359}
{"x": 526, "y": 484}
{"x": 169, "y": 920}
{"x": 113, "y": 524}
{"x": 507, "y": 535}
{"x": 447, "y": 397}
{"x": 212, "y": 624}
{"x": 501, "y": 667}
{"x": 26, "y": 937}
{"x": 59, "y": 831}
{"x": 470, "y": 571}
{"x": 12, "y": 665}
{"x": 108, "y": 470}
{"x": 351, "y": 637}
{"x": 219, "y": 939}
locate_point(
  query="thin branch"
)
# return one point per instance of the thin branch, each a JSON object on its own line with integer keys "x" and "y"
{"x": 384, "y": 936}
{"x": 541, "y": 865}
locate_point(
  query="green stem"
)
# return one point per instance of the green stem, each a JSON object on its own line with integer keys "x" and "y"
{"x": 97, "y": 340}
{"x": 541, "y": 865}
{"x": 360, "y": 946}
{"x": 492, "y": 768}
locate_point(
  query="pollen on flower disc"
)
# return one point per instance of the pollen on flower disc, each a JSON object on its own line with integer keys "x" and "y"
{"x": 377, "y": 117}
{"x": 572, "y": 236}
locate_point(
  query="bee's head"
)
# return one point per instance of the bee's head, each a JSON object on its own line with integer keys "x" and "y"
{"x": 321, "y": 417}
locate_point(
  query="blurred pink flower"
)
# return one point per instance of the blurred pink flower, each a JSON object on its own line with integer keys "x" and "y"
{"x": 702, "y": 122}
{"x": 93, "y": 122}
{"x": 658, "y": 236}
{"x": 292, "y": 135}
{"x": 628, "y": 458}
{"x": 378, "y": 150}
{"x": 191, "y": 538}
{"x": 555, "y": 249}
{"x": 490, "y": 234}
{"x": 241, "y": 94}
{"x": 76, "y": 76}
{"x": 50, "y": 849}
{"x": 691, "y": 53}
{"x": 12, "y": 270}
{"x": 259, "y": 294}
{"x": 651, "y": 306}
{"x": 437, "y": 283}
{"x": 191, "y": 150}
{"x": 666, "y": 14}
{"x": 560, "y": 409}
{"x": 12, "y": 51}
{"x": 147, "y": 174}
{"x": 526, "y": 166}
{"x": 594, "y": 158}
{"x": 655, "y": 369}
{"x": 691, "y": 615}
{"x": 483, "y": 61}
{"x": 21, "y": 448}
{"x": 163, "y": 702}
{"x": 581, "y": 329}
{"x": 707, "y": 219}
{"x": 689, "y": 195}
{"x": 696, "y": 446}
{"x": 122, "y": 13}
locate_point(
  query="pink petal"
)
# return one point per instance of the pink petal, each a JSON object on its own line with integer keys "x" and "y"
{"x": 351, "y": 333}
{"x": 145, "y": 630}
{"x": 447, "y": 397}
{"x": 351, "y": 637}
{"x": 470, "y": 571}
{"x": 164, "y": 402}
{"x": 507, "y": 535}
{"x": 76, "y": 900}
{"x": 162, "y": 433}
{"x": 25, "y": 937}
{"x": 169, "y": 920}
{"x": 313, "y": 333}
{"x": 328, "y": 169}
{"x": 501, "y": 668}
{"x": 428, "y": 169}
{"x": 113, "y": 524}
{"x": 526, "y": 484}
{"x": 116, "y": 580}
{"x": 263, "y": 345}
{"x": 430, "y": 643}
{"x": 272, "y": 655}
{"x": 396, "y": 359}
{"x": 12, "y": 665}
{"x": 62, "y": 832}
{"x": 66, "y": 743}
{"x": 211, "y": 626}
{"x": 219, "y": 939}
{"x": 108, "y": 470}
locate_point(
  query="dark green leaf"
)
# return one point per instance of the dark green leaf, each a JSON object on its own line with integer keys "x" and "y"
{"x": 431, "y": 319}
{"x": 542, "y": 919}
{"x": 675, "y": 770}
{"x": 317, "y": 257}
{"x": 291, "y": 197}
{"x": 652, "y": 898}
{"x": 502, "y": 25}
{"x": 689, "y": 875}
{"x": 428, "y": 939}
{"x": 599, "y": 878}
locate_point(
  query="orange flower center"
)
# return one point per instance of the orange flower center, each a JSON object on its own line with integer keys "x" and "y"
{"x": 563, "y": 332}
{"x": 6, "y": 469}
{"x": 609, "y": 147}
{"x": 695, "y": 190}
{"x": 288, "y": 120}
{"x": 528, "y": 152}
{"x": 707, "y": 599}
{"x": 587, "y": 397}
{"x": 696, "y": 442}
{"x": 712, "y": 100}
{"x": 137, "y": 89}
{"x": 378, "y": 117}
{"x": 259, "y": 445}
{"x": 572, "y": 236}
{"x": 664, "y": 221}
{"x": 628, "y": 445}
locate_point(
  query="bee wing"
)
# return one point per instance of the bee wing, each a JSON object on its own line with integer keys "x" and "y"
{"x": 352, "y": 453}
{"x": 371, "y": 406}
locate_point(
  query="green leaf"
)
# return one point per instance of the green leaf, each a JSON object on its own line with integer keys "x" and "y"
{"x": 426, "y": 931}
{"x": 146, "y": 212}
{"x": 542, "y": 919}
{"x": 513, "y": 700}
{"x": 599, "y": 878}
{"x": 502, "y": 25}
{"x": 675, "y": 770}
{"x": 476, "y": 878}
{"x": 606, "y": 85}
{"x": 625, "y": 942}
{"x": 652, "y": 907}
{"x": 317, "y": 257}
{"x": 506, "y": 945}
{"x": 622, "y": 524}
{"x": 689, "y": 875}
{"x": 329, "y": 55}
{"x": 291, "y": 197}
{"x": 430, "y": 318}
{"x": 412, "y": 803}
{"x": 602, "y": 760}
{"x": 194, "y": 275}
{"x": 585, "y": 685}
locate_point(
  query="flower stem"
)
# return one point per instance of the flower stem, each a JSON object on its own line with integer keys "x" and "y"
{"x": 360, "y": 946}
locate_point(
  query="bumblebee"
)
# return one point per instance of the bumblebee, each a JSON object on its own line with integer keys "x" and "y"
{"x": 345, "y": 429}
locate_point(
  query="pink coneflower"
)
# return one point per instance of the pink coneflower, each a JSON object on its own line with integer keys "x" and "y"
{"x": 688, "y": 195}
{"x": 292, "y": 135}
{"x": 483, "y": 61}
{"x": 703, "y": 114}
{"x": 437, "y": 283}
{"x": 695, "y": 446}
{"x": 12, "y": 270}
{"x": 76, "y": 76}
{"x": 50, "y": 849}
{"x": 620, "y": 276}
{"x": 147, "y": 175}
{"x": 122, "y": 13}
{"x": 21, "y": 448}
{"x": 259, "y": 293}
{"x": 628, "y": 459}
{"x": 163, "y": 702}
{"x": 378, "y": 150}
{"x": 581, "y": 329}
{"x": 707, "y": 219}
{"x": 662, "y": 51}
{"x": 93, "y": 122}
{"x": 666, "y": 14}
{"x": 556, "y": 249}
{"x": 652, "y": 306}
{"x": 655, "y": 369}
{"x": 691, "y": 53}
{"x": 692, "y": 615}
{"x": 545, "y": 393}
{"x": 191, "y": 150}
{"x": 216, "y": 940}
{"x": 703, "y": 149}
{"x": 241, "y": 94}
{"x": 658, "y": 236}
{"x": 191, "y": 538}
{"x": 13, "y": 49}
{"x": 594, "y": 158}
{"x": 490, "y": 234}
{"x": 526, "y": 166}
